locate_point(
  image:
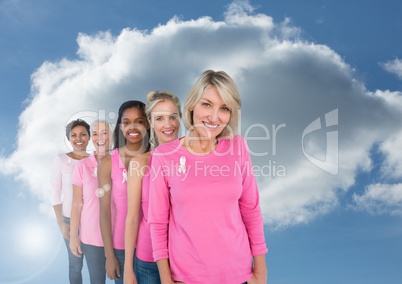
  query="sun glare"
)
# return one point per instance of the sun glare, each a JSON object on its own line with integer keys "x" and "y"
{"x": 34, "y": 244}
{"x": 33, "y": 240}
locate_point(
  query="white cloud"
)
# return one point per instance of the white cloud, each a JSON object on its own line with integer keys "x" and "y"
{"x": 381, "y": 199}
{"x": 282, "y": 80}
{"x": 392, "y": 166}
{"x": 394, "y": 66}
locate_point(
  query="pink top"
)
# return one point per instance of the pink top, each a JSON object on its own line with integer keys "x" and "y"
{"x": 144, "y": 244}
{"x": 118, "y": 199}
{"x": 62, "y": 187}
{"x": 85, "y": 176}
{"x": 204, "y": 212}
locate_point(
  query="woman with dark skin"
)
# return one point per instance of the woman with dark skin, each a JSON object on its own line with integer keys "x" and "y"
{"x": 77, "y": 133}
{"x": 130, "y": 140}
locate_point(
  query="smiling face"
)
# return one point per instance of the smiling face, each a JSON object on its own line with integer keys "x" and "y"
{"x": 101, "y": 137}
{"x": 165, "y": 121}
{"x": 210, "y": 114}
{"x": 79, "y": 138}
{"x": 133, "y": 125}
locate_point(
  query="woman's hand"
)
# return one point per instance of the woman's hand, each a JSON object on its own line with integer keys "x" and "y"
{"x": 260, "y": 270}
{"x": 129, "y": 276}
{"x": 65, "y": 230}
{"x": 75, "y": 246}
{"x": 112, "y": 268}
{"x": 258, "y": 278}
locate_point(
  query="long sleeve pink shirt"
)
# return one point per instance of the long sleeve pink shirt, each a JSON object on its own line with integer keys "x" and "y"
{"x": 62, "y": 187}
{"x": 204, "y": 212}
{"x": 118, "y": 199}
{"x": 144, "y": 244}
{"x": 85, "y": 176}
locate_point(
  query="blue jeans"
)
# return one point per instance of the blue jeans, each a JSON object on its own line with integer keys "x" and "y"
{"x": 96, "y": 261}
{"x": 146, "y": 272}
{"x": 74, "y": 262}
{"x": 119, "y": 253}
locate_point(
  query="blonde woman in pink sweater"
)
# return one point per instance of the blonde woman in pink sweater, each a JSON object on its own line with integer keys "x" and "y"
{"x": 204, "y": 214}
{"x": 163, "y": 114}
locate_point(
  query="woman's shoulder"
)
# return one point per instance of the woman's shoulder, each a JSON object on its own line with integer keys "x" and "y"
{"x": 106, "y": 160}
{"x": 168, "y": 147}
{"x": 237, "y": 140}
{"x": 89, "y": 161}
{"x": 234, "y": 145}
{"x": 141, "y": 159}
{"x": 62, "y": 159}
{"x": 236, "y": 137}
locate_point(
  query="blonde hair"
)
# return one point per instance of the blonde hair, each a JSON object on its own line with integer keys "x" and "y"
{"x": 153, "y": 98}
{"x": 227, "y": 89}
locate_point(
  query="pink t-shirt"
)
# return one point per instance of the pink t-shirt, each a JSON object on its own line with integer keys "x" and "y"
{"x": 118, "y": 199}
{"x": 144, "y": 244}
{"x": 62, "y": 187}
{"x": 204, "y": 212}
{"x": 85, "y": 176}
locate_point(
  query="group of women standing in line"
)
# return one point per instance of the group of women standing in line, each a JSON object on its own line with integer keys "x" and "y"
{"x": 158, "y": 208}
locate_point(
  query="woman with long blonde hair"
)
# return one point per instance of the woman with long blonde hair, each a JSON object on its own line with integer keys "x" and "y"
{"x": 163, "y": 114}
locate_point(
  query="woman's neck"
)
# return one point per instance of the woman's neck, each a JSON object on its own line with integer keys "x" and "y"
{"x": 77, "y": 155}
{"x": 132, "y": 149}
{"x": 100, "y": 155}
{"x": 199, "y": 145}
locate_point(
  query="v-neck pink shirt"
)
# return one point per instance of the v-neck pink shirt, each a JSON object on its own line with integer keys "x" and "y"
{"x": 62, "y": 187}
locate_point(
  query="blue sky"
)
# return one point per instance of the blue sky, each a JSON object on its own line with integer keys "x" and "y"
{"x": 338, "y": 221}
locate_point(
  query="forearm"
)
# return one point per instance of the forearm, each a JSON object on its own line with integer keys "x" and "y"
{"x": 134, "y": 193}
{"x": 253, "y": 221}
{"x": 57, "y": 211}
{"x": 64, "y": 227}
{"x": 131, "y": 234}
{"x": 164, "y": 271}
{"x": 260, "y": 265}
{"x": 104, "y": 181}
{"x": 260, "y": 271}
{"x": 76, "y": 208}
{"x": 106, "y": 231}
{"x": 75, "y": 219}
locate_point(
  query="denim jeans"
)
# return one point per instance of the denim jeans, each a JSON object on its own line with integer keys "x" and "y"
{"x": 95, "y": 258}
{"x": 146, "y": 272}
{"x": 119, "y": 253}
{"x": 74, "y": 262}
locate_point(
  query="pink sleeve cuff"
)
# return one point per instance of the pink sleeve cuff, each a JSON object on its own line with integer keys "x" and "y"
{"x": 259, "y": 249}
{"x": 160, "y": 254}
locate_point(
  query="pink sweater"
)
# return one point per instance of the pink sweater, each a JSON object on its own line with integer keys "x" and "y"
{"x": 118, "y": 199}
{"x": 62, "y": 171}
{"x": 144, "y": 244}
{"x": 85, "y": 176}
{"x": 204, "y": 212}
